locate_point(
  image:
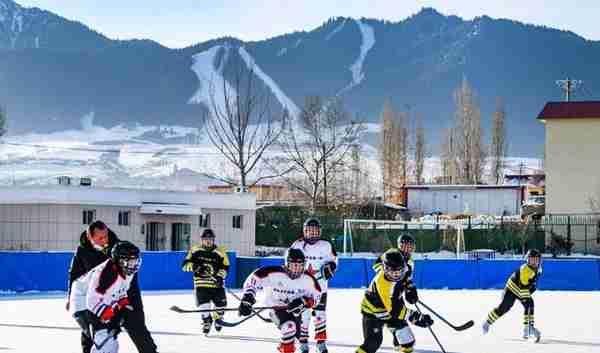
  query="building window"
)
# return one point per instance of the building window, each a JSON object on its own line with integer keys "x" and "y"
{"x": 237, "y": 221}
{"x": 204, "y": 220}
{"x": 89, "y": 216}
{"x": 124, "y": 218}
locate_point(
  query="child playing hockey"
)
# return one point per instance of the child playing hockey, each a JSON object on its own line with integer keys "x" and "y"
{"x": 383, "y": 305}
{"x": 521, "y": 285}
{"x": 99, "y": 298}
{"x": 209, "y": 264}
{"x": 289, "y": 287}
{"x": 321, "y": 260}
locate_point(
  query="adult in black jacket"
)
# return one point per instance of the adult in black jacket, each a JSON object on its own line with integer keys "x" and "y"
{"x": 94, "y": 248}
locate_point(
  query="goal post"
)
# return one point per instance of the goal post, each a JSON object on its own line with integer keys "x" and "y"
{"x": 398, "y": 227}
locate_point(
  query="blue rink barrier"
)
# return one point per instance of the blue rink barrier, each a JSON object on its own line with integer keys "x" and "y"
{"x": 47, "y": 271}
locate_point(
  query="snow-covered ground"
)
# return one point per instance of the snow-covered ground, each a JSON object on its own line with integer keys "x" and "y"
{"x": 166, "y": 157}
{"x": 569, "y": 323}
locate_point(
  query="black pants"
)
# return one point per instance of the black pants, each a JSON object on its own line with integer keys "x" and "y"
{"x": 215, "y": 295}
{"x": 373, "y": 333}
{"x": 508, "y": 300}
{"x": 134, "y": 323}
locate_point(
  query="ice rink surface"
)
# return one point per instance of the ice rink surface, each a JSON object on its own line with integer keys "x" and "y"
{"x": 569, "y": 321}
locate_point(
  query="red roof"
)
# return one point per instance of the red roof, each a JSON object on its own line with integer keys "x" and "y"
{"x": 570, "y": 110}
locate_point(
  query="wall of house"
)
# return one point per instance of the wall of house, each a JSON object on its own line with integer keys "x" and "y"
{"x": 572, "y": 165}
{"x": 51, "y": 227}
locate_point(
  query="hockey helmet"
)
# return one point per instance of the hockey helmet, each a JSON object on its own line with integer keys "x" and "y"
{"x": 295, "y": 263}
{"x": 394, "y": 266}
{"x": 311, "y": 230}
{"x": 127, "y": 257}
{"x": 534, "y": 258}
{"x": 406, "y": 243}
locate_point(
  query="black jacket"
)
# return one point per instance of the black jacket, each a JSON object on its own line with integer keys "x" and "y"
{"x": 87, "y": 257}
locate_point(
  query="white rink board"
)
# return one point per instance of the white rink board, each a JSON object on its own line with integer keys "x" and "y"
{"x": 569, "y": 321}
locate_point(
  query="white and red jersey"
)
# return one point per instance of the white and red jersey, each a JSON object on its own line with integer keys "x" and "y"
{"x": 280, "y": 289}
{"x": 317, "y": 255}
{"x": 101, "y": 288}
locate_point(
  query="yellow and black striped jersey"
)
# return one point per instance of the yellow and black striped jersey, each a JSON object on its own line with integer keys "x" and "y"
{"x": 378, "y": 265}
{"x": 207, "y": 264}
{"x": 522, "y": 280}
{"x": 383, "y": 299}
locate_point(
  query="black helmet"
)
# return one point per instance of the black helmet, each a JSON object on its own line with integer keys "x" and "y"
{"x": 207, "y": 233}
{"x": 394, "y": 265}
{"x": 311, "y": 230}
{"x": 534, "y": 257}
{"x": 406, "y": 243}
{"x": 295, "y": 263}
{"x": 127, "y": 257}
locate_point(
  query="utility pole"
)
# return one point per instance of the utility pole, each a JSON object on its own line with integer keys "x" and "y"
{"x": 569, "y": 86}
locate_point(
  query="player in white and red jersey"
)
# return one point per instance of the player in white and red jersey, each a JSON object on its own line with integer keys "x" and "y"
{"x": 98, "y": 299}
{"x": 289, "y": 287}
{"x": 321, "y": 260}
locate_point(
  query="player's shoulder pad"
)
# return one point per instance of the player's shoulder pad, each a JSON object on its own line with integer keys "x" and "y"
{"x": 265, "y": 271}
{"x": 221, "y": 251}
{"x": 313, "y": 280}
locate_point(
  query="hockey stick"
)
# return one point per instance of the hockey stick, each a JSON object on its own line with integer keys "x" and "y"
{"x": 431, "y": 330}
{"x": 177, "y": 309}
{"x": 236, "y": 323}
{"x": 462, "y": 327}
{"x": 265, "y": 319}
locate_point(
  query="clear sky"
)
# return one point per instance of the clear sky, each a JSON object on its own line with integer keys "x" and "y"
{"x": 179, "y": 23}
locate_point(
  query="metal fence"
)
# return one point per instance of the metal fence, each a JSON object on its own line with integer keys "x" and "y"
{"x": 555, "y": 234}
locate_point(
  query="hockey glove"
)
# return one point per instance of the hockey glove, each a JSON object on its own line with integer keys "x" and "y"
{"x": 328, "y": 270}
{"x": 219, "y": 281}
{"x": 111, "y": 312}
{"x": 411, "y": 293}
{"x": 421, "y": 320}
{"x": 245, "y": 307}
{"x": 296, "y": 307}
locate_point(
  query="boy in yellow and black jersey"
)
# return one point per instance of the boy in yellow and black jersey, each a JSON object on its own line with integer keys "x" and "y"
{"x": 209, "y": 264}
{"x": 521, "y": 285}
{"x": 383, "y": 305}
{"x": 406, "y": 245}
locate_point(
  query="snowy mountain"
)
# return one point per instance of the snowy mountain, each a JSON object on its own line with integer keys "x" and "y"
{"x": 54, "y": 71}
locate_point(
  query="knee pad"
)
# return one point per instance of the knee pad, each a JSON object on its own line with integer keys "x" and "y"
{"x": 106, "y": 340}
{"x": 404, "y": 336}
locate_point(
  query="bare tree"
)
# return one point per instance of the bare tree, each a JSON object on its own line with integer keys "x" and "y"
{"x": 448, "y": 158}
{"x": 420, "y": 150}
{"x": 317, "y": 148}
{"x": 241, "y": 125}
{"x": 393, "y": 151}
{"x": 468, "y": 133}
{"x": 499, "y": 147}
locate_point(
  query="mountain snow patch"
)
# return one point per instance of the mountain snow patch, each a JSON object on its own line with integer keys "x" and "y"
{"x": 283, "y": 99}
{"x": 368, "y": 41}
{"x": 210, "y": 75}
{"x": 336, "y": 30}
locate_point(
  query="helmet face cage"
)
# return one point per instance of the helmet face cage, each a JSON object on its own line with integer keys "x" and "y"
{"x": 130, "y": 264}
{"x": 312, "y": 233}
{"x": 207, "y": 242}
{"x": 406, "y": 244}
{"x": 295, "y": 268}
{"x": 394, "y": 274}
{"x": 534, "y": 259}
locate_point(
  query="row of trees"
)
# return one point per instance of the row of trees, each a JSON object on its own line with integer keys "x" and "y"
{"x": 313, "y": 149}
{"x": 463, "y": 153}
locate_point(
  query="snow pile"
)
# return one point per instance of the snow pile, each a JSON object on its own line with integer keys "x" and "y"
{"x": 336, "y": 30}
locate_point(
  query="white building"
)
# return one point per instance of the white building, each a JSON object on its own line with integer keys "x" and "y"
{"x": 52, "y": 217}
{"x": 472, "y": 199}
